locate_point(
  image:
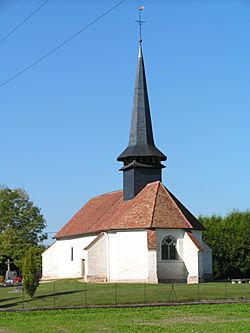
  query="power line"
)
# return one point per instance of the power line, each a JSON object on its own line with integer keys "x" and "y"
{"x": 61, "y": 44}
{"x": 23, "y": 21}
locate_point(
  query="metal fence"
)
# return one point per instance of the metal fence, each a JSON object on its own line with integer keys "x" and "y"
{"x": 74, "y": 293}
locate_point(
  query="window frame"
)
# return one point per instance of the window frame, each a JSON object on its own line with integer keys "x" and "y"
{"x": 168, "y": 251}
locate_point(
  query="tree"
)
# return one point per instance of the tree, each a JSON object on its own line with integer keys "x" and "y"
{"x": 21, "y": 225}
{"x": 229, "y": 238}
{"x": 30, "y": 273}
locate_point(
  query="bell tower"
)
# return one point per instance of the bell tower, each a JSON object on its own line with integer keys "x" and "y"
{"x": 142, "y": 159}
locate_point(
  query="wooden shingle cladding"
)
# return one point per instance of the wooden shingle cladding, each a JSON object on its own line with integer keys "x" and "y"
{"x": 141, "y": 140}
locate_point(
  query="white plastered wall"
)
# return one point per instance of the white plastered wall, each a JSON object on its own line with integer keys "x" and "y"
{"x": 56, "y": 260}
{"x": 129, "y": 256}
{"x": 123, "y": 255}
{"x": 204, "y": 257}
{"x": 198, "y": 235}
{"x": 191, "y": 259}
{"x": 97, "y": 258}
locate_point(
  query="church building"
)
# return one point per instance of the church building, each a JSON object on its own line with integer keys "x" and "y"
{"x": 141, "y": 233}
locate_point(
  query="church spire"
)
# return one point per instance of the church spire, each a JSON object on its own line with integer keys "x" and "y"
{"x": 141, "y": 140}
{"x": 142, "y": 159}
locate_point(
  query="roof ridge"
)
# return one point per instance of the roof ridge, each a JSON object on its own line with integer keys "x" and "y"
{"x": 133, "y": 202}
{"x": 130, "y": 204}
{"x": 166, "y": 190}
{"x": 153, "y": 212}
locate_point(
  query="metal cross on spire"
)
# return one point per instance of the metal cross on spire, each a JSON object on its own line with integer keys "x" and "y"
{"x": 139, "y": 21}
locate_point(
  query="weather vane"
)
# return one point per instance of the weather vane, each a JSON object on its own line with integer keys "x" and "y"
{"x": 139, "y": 21}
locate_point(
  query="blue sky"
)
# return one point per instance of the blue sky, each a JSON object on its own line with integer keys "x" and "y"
{"x": 64, "y": 122}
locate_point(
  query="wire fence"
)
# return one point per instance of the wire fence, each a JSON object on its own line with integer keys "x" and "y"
{"x": 73, "y": 293}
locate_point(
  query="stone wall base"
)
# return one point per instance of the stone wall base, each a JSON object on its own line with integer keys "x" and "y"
{"x": 131, "y": 281}
{"x": 96, "y": 278}
{"x": 152, "y": 280}
{"x": 192, "y": 279}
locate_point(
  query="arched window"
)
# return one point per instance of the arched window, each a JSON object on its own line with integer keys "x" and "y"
{"x": 168, "y": 248}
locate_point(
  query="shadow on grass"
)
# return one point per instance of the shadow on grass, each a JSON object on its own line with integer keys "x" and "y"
{"x": 56, "y": 294}
{"x": 40, "y": 297}
{"x": 7, "y": 299}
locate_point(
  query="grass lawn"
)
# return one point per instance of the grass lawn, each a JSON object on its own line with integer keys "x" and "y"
{"x": 219, "y": 318}
{"x": 72, "y": 292}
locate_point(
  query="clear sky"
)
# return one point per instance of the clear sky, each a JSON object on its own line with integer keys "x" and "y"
{"x": 64, "y": 121}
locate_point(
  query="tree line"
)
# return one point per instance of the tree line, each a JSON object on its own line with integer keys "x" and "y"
{"x": 229, "y": 238}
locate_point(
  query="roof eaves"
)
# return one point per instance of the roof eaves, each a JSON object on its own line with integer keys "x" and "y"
{"x": 93, "y": 233}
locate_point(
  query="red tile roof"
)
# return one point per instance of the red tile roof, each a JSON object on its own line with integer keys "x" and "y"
{"x": 153, "y": 207}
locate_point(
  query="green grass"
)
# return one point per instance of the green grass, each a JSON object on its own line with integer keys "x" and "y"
{"x": 220, "y": 318}
{"x": 72, "y": 292}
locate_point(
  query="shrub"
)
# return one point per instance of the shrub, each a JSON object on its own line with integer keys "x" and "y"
{"x": 30, "y": 273}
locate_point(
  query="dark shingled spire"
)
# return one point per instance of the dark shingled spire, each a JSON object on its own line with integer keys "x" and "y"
{"x": 142, "y": 159}
{"x": 141, "y": 141}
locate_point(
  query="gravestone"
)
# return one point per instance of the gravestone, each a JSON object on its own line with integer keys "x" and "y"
{"x": 10, "y": 276}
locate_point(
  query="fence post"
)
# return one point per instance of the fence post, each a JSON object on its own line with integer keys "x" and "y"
{"x": 145, "y": 293}
{"x": 85, "y": 294}
{"x": 198, "y": 296}
{"x": 54, "y": 296}
{"x": 225, "y": 289}
{"x": 23, "y": 297}
{"x": 115, "y": 293}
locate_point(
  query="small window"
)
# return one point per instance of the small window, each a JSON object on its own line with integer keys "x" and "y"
{"x": 72, "y": 254}
{"x": 168, "y": 248}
